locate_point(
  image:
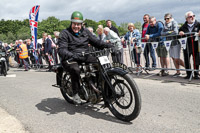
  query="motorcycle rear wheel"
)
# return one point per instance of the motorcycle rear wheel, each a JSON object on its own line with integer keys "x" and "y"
{"x": 66, "y": 88}
{"x": 5, "y": 69}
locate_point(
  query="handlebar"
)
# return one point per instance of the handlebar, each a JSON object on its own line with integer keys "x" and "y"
{"x": 110, "y": 50}
{"x": 95, "y": 53}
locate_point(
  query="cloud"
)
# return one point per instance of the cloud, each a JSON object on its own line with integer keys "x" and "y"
{"x": 117, "y": 10}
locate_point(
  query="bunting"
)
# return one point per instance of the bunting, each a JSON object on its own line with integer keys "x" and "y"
{"x": 167, "y": 44}
{"x": 183, "y": 42}
{"x": 154, "y": 45}
{"x": 143, "y": 45}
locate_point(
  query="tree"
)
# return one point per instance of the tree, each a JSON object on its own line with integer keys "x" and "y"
{"x": 24, "y": 33}
{"x": 91, "y": 23}
{"x": 12, "y": 30}
{"x": 102, "y": 22}
{"x": 138, "y": 26}
{"x": 3, "y": 37}
{"x": 10, "y": 37}
{"x": 49, "y": 26}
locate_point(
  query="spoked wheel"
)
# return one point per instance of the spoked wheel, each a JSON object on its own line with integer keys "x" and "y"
{"x": 4, "y": 68}
{"x": 66, "y": 88}
{"x": 126, "y": 104}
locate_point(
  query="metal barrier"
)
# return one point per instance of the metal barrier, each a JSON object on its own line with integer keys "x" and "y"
{"x": 131, "y": 63}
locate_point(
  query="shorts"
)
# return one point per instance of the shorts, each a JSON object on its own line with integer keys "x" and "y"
{"x": 175, "y": 51}
{"x": 161, "y": 51}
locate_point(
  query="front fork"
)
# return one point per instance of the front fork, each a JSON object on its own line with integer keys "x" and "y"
{"x": 108, "y": 81}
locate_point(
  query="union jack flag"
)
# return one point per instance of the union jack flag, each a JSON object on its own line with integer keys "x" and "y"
{"x": 33, "y": 20}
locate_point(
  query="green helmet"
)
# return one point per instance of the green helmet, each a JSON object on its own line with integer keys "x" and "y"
{"x": 77, "y": 17}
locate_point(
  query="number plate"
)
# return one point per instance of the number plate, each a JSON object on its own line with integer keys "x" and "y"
{"x": 104, "y": 60}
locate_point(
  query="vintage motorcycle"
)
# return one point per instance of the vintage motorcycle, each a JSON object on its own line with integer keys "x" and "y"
{"x": 3, "y": 63}
{"x": 114, "y": 86}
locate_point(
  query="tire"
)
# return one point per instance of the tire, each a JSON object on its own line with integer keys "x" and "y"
{"x": 4, "y": 68}
{"x": 66, "y": 88}
{"x": 120, "y": 83}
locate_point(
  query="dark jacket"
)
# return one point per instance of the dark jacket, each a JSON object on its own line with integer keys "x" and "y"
{"x": 47, "y": 46}
{"x": 185, "y": 29}
{"x": 114, "y": 29}
{"x": 155, "y": 31}
{"x": 55, "y": 40}
{"x": 71, "y": 43}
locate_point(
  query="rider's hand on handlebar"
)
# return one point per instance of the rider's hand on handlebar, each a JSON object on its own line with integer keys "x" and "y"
{"x": 77, "y": 57}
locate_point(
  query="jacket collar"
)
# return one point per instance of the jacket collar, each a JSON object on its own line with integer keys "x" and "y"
{"x": 75, "y": 34}
{"x": 195, "y": 23}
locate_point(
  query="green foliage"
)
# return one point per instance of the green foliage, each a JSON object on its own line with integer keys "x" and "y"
{"x": 138, "y": 26}
{"x": 123, "y": 28}
{"x": 10, "y": 37}
{"x": 11, "y": 30}
{"x": 23, "y": 33}
{"x": 102, "y": 22}
{"x": 91, "y": 23}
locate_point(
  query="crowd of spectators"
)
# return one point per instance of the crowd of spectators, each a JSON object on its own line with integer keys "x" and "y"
{"x": 152, "y": 31}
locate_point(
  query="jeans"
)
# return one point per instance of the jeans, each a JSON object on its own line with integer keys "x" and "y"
{"x": 188, "y": 64}
{"x": 25, "y": 62}
{"x": 54, "y": 55}
{"x": 150, "y": 49}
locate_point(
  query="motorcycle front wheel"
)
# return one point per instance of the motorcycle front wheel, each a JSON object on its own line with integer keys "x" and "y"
{"x": 4, "y": 68}
{"x": 125, "y": 102}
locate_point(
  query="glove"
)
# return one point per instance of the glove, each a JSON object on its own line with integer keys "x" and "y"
{"x": 78, "y": 57}
{"x": 110, "y": 45}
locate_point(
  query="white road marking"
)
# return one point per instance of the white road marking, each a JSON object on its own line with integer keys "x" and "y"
{"x": 11, "y": 76}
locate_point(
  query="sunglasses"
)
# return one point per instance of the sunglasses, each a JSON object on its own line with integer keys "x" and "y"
{"x": 167, "y": 18}
{"x": 191, "y": 16}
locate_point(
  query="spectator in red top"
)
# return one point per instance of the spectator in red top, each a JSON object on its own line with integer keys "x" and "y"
{"x": 144, "y": 26}
{"x": 148, "y": 49}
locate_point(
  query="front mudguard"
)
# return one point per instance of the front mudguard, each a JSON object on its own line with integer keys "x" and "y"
{"x": 119, "y": 71}
{"x": 108, "y": 90}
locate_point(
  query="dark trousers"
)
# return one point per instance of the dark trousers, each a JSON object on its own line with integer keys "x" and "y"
{"x": 74, "y": 71}
{"x": 40, "y": 58}
{"x": 135, "y": 56}
{"x": 117, "y": 56}
{"x": 187, "y": 56}
{"x": 149, "y": 49}
{"x": 49, "y": 60}
{"x": 25, "y": 62}
{"x": 55, "y": 57}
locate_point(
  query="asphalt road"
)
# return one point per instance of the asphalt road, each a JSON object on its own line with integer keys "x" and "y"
{"x": 167, "y": 107}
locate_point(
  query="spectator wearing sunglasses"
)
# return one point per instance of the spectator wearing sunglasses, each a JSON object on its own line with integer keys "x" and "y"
{"x": 190, "y": 26}
{"x": 171, "y": 28}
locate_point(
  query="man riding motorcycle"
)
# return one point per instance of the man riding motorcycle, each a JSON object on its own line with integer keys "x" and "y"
{"x": 72, "y": 42}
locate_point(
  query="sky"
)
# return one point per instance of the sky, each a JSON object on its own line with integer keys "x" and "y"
{"x": 120, "y": 11}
